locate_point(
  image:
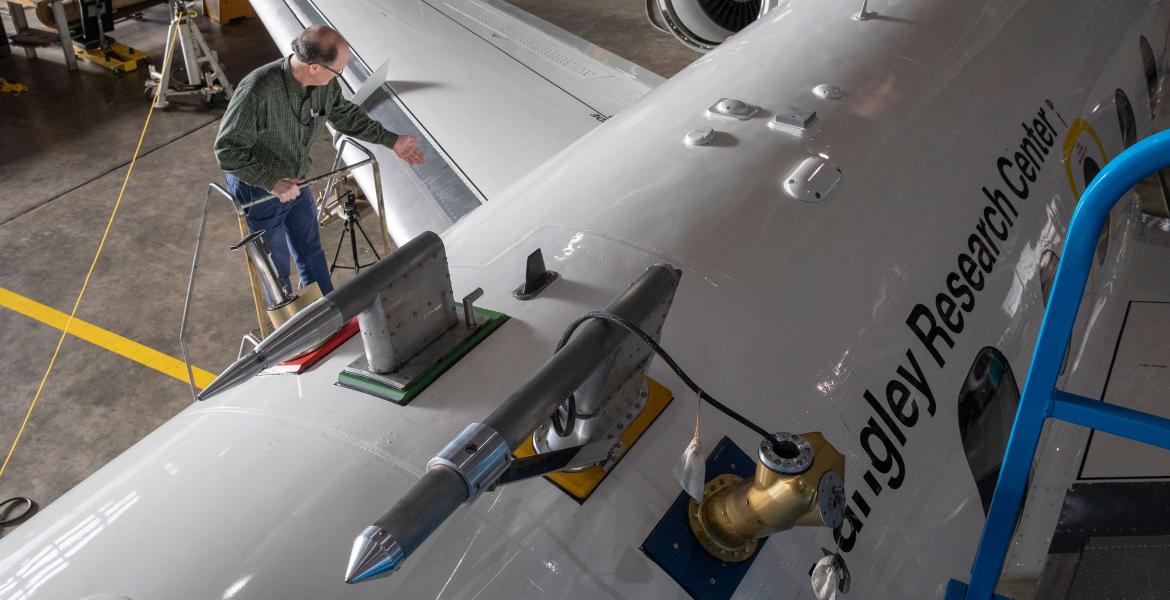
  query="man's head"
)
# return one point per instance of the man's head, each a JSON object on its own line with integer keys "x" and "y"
{"x": 323, "y": 51}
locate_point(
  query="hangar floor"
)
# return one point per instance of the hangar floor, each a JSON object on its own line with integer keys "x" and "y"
{"x": 67, "y": 146}
{"x": 69, "y": 143}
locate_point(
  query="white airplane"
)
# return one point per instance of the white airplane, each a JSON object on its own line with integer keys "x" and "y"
{"x": 876, "y": 272}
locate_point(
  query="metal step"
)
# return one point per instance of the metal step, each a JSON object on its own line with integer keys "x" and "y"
{"x": 36, "y": 38}
{"x": 1123, "y": 568}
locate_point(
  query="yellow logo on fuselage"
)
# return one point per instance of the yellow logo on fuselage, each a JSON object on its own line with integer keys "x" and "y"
{"x": 1076, "y": 150}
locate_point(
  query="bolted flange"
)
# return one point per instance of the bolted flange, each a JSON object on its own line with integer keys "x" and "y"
{"x": 705, "y": 533}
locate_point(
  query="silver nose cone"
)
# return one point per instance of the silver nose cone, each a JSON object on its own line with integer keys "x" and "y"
{"x": 375, "y": 554}
{"x": 239, "y": 371}
{"x": 312, "y": 325}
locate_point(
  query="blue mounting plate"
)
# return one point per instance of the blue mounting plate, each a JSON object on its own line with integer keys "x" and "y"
{"x": 675, "y": 549}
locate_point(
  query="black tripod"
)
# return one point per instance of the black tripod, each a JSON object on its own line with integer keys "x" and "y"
{"x": 353, "y": 225}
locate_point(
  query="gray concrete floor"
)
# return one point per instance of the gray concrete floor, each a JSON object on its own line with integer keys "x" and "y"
{"x": 65, "y": 147}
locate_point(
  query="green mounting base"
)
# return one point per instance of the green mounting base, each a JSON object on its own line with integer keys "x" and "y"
{"x": 490, "y": 321}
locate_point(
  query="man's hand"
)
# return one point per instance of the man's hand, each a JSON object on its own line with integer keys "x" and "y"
{"x": 286, "y": 190}
{"x": 406, "y": 150}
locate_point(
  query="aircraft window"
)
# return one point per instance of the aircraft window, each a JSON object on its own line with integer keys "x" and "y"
{"x": 1091, "y": 170}
{"x": 1103, "y": 241}
{"x": 1151, "y": 68}
{"x": 1152, "y": 190}
{"x": 1126, "y": 120}
{"x": 1049, "y": 261}
{"x": 987, "y": 409}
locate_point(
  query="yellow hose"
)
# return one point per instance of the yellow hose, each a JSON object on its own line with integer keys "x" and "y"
{"x": 92, "y": 265}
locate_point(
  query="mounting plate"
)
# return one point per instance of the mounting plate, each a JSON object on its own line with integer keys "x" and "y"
{"x": 579, "y": 484}
{"x": 677, "y": 550}
{"x": 391, "y": 388}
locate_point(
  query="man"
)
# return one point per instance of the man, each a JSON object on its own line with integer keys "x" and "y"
{"x": 264, "y": 140}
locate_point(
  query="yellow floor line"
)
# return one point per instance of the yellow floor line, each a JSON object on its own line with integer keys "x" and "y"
{"x": 66, "y": 328}
{"x": 109, "y": 340}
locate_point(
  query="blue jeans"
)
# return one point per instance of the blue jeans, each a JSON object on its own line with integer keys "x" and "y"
{"x": 287, "y": 226}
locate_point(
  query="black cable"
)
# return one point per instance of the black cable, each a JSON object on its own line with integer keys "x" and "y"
{"x": 569, "y": 412}
{"x": 30, "y": 508}
{"x": 634, "y": 329}
{"x": 180, "y": 86}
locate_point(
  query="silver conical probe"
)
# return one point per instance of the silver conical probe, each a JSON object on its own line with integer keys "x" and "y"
{"x": 311, "y": 325}
{"x": 319, "y": 320}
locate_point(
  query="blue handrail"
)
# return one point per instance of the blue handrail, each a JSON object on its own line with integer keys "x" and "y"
{"x": 1041, "y": 400}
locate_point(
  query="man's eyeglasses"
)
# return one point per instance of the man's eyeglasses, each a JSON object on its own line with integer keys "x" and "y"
{"x": 334, "y": 71}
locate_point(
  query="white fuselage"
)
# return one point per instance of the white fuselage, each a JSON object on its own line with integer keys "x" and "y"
{"x": 790, "y": 312}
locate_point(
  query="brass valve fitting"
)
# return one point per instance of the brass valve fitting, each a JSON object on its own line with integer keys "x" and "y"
{"x": 799, "y": 480}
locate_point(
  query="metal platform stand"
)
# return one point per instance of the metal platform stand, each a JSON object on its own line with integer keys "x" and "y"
{"x": 215, "y": 189}
{"x": 208, "y": 82}
{"x": 1041, "y": 399}
{"x": 30, "y": 39}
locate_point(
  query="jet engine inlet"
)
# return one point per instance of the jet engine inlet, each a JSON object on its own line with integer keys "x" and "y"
{"x": 798, "y": 482}
{"x": 704, "y": 24}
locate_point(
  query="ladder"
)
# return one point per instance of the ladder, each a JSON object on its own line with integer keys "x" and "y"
{"x": 1041, "y": 400}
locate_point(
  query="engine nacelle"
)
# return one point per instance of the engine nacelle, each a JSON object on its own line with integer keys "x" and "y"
{"x": 704, "y": 24}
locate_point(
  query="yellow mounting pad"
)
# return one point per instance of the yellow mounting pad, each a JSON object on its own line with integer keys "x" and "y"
{"x": 581, "y": 484}
{"x": 120, "y": 58}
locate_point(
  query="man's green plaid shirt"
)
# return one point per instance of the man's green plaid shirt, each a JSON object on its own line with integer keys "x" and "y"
{"x": 270, "y": 124}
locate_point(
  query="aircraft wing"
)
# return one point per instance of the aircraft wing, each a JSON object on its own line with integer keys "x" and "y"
{"x": 493, "y": 91}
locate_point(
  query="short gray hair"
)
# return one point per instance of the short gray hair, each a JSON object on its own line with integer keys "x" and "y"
{"x": 317, "y": 45}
